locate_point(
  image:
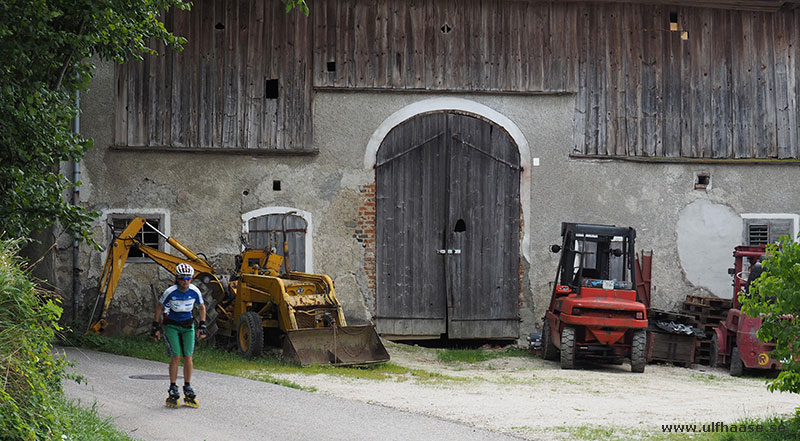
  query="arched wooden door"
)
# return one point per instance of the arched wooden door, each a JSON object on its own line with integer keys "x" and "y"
{"x": 448, "y": 216}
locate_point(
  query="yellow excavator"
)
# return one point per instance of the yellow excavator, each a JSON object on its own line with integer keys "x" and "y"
{"x": 300, "y": 309}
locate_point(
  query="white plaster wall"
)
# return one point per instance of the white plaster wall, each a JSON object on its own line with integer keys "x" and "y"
{"x": 707, "y": 233}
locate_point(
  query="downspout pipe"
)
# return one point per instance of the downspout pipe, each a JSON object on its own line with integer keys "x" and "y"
{"x": 76, "y": 191}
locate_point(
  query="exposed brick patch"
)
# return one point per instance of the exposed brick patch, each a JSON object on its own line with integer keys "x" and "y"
{"x": 365, "y": 235}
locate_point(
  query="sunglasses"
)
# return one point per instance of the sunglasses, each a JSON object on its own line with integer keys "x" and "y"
{"x": 186, "y": 278}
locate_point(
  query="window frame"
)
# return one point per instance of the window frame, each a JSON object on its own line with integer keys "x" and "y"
{"x": 266, "y": 211}
{"x": 117, "y": 215}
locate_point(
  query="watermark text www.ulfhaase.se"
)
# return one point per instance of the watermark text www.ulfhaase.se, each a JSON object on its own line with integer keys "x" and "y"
{"x": 719, "y": 427}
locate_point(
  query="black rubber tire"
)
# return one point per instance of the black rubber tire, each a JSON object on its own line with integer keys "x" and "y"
{"x": 211, "y": 319}
{"x": 737, "y": 367}
{"x": 549, "y": 350}
{"x": 638, "y": 351}
{"x": 568, "y": 348}
{"x": 713, "y": 359}
{"x": 250, "y": 335}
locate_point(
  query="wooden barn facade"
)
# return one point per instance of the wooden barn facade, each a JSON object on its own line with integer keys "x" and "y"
{"x": 441, "y": 223}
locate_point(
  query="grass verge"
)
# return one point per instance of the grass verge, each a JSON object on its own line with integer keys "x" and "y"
{"x": 86, "y": 425}
{"x": 758, "y": 429}
{"x": 264, "y": 368}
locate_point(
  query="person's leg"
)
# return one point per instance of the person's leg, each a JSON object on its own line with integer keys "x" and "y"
{"x": 173, "y": 343}
{"x": 188, "y": 365}
{"x": 187, "y": 347}
{"x": 173, "y": 369}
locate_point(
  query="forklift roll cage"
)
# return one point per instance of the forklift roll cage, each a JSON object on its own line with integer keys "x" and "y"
{"x": 578, "y": 238}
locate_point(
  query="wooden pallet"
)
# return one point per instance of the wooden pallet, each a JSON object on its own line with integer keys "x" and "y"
{"x": 708, "y": 312}
{"x": 672, "y": 348}
{"x": 714, "y": 302}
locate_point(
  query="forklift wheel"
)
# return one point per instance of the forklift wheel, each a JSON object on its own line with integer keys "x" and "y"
{"x": 638, "y": 346}
{"x": 549, "y": 350}
{"x": 737, "y": 367}
{"x": 568, "y": 348}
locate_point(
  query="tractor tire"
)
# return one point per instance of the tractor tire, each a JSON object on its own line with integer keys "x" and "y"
{"x": 211, "y": 319}
{"x": 638, "y": 351}
{"x": 250, "y": 335}
{"x": 549, "y": 350}
{"x": 713, "y": 358}
{"x": 737, "y": 366}
{"x": 568, "y": 348}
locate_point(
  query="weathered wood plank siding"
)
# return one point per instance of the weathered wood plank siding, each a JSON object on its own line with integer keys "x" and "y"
{"x": 459, "y": 45}
{"x": 723, "y": 84}
{"x": 219, "y": 91}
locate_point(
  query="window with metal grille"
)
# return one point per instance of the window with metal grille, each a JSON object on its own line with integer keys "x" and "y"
{"x": 766, "y": 231}
{"x": 271, "y": 231}
{"x": 146, "y": 235}
{"x": 758, "y": 235}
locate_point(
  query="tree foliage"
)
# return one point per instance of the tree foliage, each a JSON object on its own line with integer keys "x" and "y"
{"x": 775, "y": 297}
{"x": 30, "y": 374}
{"x": 299, "y": 4}
{"x": 47, "y": 48}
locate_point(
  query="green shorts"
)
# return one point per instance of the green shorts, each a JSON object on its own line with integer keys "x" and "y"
{"x": 179, "y": 340}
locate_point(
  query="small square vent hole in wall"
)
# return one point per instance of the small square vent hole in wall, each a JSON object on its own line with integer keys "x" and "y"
{"x": 702, "y": 181}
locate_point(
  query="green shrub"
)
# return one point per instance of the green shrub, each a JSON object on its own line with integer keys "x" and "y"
{"x": 30, "y": 376}
{"x": 774, "y": 297}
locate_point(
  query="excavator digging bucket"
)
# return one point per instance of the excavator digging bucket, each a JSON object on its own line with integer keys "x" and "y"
{"x": 338, "y": 346}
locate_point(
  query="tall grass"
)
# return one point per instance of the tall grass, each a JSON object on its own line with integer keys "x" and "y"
{"x": 32, "y": 405}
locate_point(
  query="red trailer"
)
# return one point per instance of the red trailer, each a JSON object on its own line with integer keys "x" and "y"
{"x": 735, "y": 342}
{"x": 594, "y": 312}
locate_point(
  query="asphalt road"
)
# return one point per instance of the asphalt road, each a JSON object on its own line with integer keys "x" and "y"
{"x": 131, "y": 392}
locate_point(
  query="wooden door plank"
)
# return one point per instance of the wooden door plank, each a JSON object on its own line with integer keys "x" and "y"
{"x": 409, "y": 214}
{"x": 231, "y": 84}
{"x": 672, "y": 89}
{"x": 767, "y": 117}
{"x": 633, "y": 97}
{"x": 721, "y": 98}
{"x": 782, "y": 49}
{"x": 484, "y": 282}
{"x": 582, "y": 98}
{"x": 254, "y": 76}
{"x": 416, "y": 30}
{"x": 381, "y": 38}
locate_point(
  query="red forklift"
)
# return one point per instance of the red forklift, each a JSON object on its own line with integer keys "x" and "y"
{"x": 735, "y": 342}
{"x": 594, "y": 312}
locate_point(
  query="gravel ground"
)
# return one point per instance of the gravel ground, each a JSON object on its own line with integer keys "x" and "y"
{"x": 534, "y": 399}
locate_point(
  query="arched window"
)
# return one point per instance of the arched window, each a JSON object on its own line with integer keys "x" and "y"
{"x": 271, "y": 230}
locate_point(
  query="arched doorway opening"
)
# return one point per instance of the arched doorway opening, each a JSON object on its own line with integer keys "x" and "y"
{"x": 448, "y": 229}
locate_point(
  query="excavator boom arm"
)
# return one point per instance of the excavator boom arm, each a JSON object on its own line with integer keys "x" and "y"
{"x": 118, "y": 254}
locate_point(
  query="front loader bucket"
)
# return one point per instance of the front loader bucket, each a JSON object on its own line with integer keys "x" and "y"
{"x": 339, "y": 346}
